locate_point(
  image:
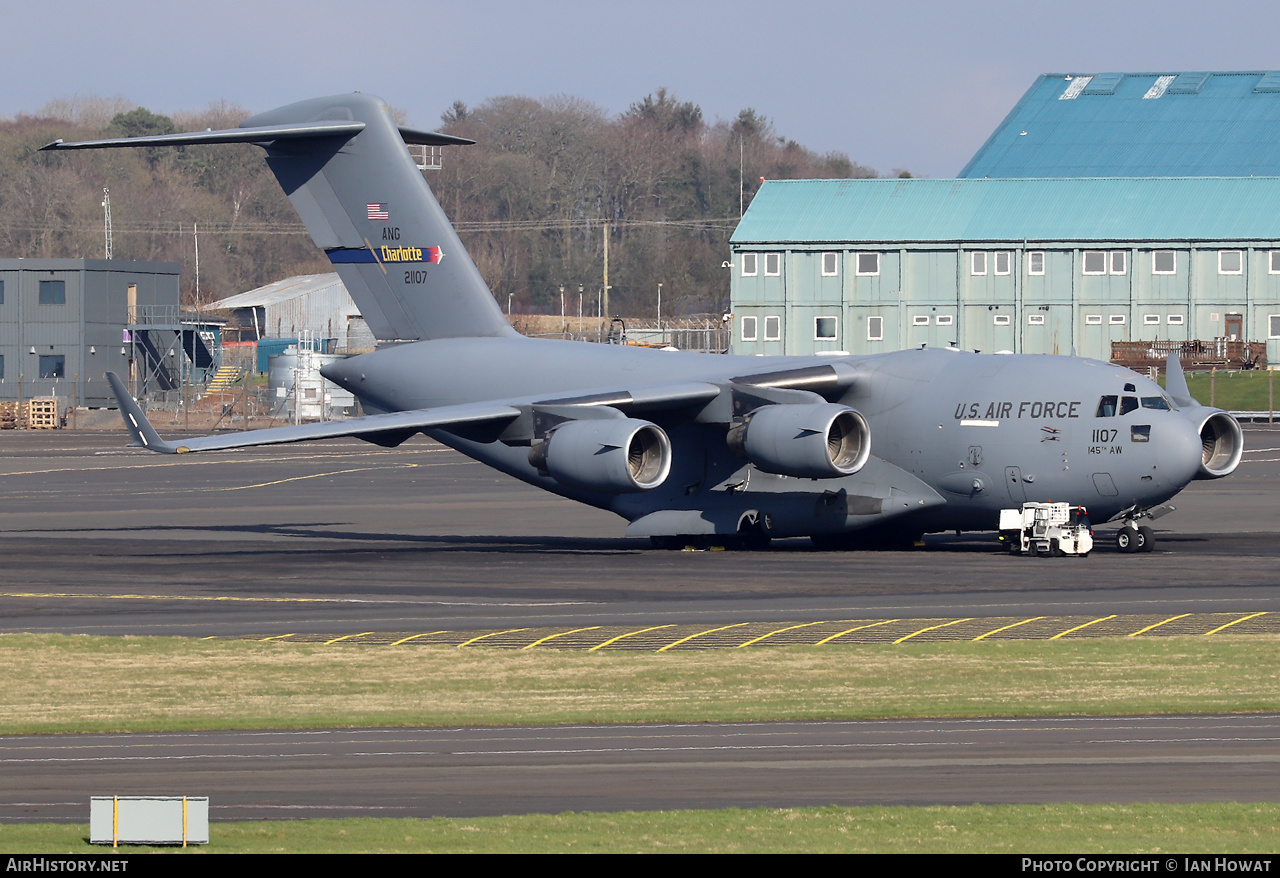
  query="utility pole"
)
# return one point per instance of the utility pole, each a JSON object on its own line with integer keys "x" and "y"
{"x": 195, "y": 233}
{"x": 606, "y": 269}
{"x": 106, "y": 215}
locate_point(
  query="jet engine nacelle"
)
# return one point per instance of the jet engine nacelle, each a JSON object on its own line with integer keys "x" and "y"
{"x": 1223, "y": 443}
{"x": 616, "y": 455}
{"x": 821, "y": 441}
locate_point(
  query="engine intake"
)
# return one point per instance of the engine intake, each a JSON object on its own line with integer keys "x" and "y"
{"x": 616, "y": 455}
{"x": 821, "y": 441}
{"x": 1223, "y": 443}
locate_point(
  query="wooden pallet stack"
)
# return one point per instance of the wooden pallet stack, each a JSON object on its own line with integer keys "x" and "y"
{"x": 43, "y": 414}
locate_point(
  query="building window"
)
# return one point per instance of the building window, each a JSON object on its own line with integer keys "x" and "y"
{"x": 945, "y": 319}
{"x": 1274, "y": 322}
{"x": 1, "y": 367}
{"x": 773, "y": 329}
{"x": 875, "y": 329}
{"x": 1116, "y": 319}
{"x": 920, "y": 320}
{"x": 1035, "y": 262}
{"x": 868, "y": 264}
{"x": 53, "y": 366}
{"x": 1095, "y": 262}
{"x": 1035, "y": 320}
{"x": 1003, "y": 320}
{"x": 1273, "y": 265}
{"x": 1003, "y": 260}
{"x": 977, "y": 263}
{"x": 830, "y": 264}
{"x": 772, "y": 264}
{"x": 1093, "y": 320}
{"x": 824, "y": 329}
{"x": 748, "y": 329}
{"x": 1174, "y": 320}
{"x": 1150, "y": 319}
{"x": 1, "y": 300}
{"x": 1119, "y": 261}
{"x": 1164, "y": 262}
{"x": 1230, "y": 262}
{"x": 749, "y": 264}
{"x": 53, "y": 292}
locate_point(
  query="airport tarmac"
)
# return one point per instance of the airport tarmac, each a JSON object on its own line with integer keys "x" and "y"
{"x": 280, "y": 775}
{"x": 342, "y": 538}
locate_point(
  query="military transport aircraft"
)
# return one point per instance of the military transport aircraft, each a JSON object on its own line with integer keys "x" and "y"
{"x": 696, "y": 447}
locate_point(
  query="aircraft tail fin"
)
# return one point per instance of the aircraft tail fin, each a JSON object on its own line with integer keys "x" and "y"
{"x": 1175, "y": 383}
{"x": 343, "y": 163}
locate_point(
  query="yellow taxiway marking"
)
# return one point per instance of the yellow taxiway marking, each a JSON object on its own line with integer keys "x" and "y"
{"x": 277, "y": 637}
{"x": 561, "y": 634}
{"x": 346, "y": 637}
{"x": 1236, "y": 622}
{"x": 491, "y": 634}
{"x": 416, "y": 636}
{"x": 827, "y": 640}
{"x": 930, "y": 628}
{"x": 340, "y": 472}
{"x": 207, "y": 459}
{"x": 700, "y": 633}
{"x": 628, "y": 634}
{"x": 1157, "y": 625}
{"x": 1078, "y": 627}
{"x": 1007, "y": 627}
{"x": 168, "y": 597}
{"x": 779, "y": 631}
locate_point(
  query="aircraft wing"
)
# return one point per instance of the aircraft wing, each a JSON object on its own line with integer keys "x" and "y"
{"x": 386, "y": 429}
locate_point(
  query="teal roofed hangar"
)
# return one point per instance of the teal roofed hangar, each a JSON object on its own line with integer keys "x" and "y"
{"x": 1164, "y": 124}
{"x": 1020, "y": 265}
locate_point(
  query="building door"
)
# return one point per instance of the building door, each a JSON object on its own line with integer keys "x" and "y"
{"x": 1235, "y": 327}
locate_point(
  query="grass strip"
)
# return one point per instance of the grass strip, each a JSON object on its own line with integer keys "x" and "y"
{"x": 60, "y": 683}
{"x": 1042, "y": 829}
{"x": 1234, "y": 391}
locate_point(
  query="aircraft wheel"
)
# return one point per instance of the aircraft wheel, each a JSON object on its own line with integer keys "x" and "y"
{"x": 1127, "y": 539}
{"x": 1147, "y": 539}
{"x": 751, "y": 541}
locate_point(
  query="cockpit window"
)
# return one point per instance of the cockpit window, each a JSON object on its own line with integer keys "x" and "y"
{"x": 1107, "y": 407}
{"x": 1155, "y": 402}
{"x": 1128, "y": 404}
{"x": 1129, "y": 388}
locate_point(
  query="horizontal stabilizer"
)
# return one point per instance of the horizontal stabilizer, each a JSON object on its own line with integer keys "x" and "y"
{"x": 259, "y": 134}
{"x": 371, "y": 427}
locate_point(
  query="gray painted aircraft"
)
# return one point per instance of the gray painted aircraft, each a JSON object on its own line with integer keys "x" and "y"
{"x": 696, "y": 447}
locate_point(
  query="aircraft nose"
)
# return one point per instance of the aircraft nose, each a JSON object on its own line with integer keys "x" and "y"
{"x": 1178, "y": 450}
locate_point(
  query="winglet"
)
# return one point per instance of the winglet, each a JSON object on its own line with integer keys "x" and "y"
{"x": 144, "y": 435}
{"x": 1175, "y": 383}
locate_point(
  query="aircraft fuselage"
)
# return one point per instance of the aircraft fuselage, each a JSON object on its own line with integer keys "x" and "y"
{"x": 955, "y": 436}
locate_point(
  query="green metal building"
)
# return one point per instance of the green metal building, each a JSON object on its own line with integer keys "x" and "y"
{"x": 1017, "y": 256}
{"x": 1028, "y": 266}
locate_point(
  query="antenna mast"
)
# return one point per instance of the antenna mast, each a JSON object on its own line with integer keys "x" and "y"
{"x": 106, "y": 213}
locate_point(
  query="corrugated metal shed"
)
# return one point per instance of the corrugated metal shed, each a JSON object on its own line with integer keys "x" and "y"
{"x": 1108, "y": 209}
{"x": 316, "y": 303}
{"x": 1140, "y": 125}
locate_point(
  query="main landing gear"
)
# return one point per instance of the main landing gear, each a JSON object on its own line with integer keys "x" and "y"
{"x": 1134, "y": 538}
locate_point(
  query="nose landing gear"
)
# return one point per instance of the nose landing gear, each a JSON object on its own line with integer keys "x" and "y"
{"x": 1133, "y": 537}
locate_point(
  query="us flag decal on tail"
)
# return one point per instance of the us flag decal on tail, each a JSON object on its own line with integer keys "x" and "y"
{"x": 377, "y": 211}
